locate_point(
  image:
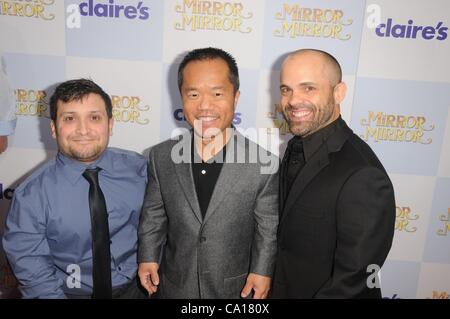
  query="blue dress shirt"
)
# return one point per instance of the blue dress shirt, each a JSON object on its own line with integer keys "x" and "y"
{"x": 48, "y": 228}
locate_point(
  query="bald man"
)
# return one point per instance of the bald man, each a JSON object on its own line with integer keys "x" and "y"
{"x": 337, "y": 208}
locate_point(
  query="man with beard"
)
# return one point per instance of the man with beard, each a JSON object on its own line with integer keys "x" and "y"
{"x": 337, "y": 208}
{"x": 71, "y": 231}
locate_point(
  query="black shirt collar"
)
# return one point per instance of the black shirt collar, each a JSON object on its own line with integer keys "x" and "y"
{"x": 218, "y": 158}
{"x": 313, "y": 142}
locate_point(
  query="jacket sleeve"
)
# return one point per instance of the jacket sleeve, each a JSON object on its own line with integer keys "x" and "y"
{"x": 264, "y": 245}
{"x": 7, "y": 105}
{"x": 27, "y": 249}
{"x": 365, "y": 229}
{"x": 153, "y": 220}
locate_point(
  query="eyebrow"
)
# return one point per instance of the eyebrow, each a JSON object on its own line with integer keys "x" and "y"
{"x": 299, "y": 84}
{"x": 73, "y": 112}
{"x": 221, "y": 87}
{"x": 307, "y": 84}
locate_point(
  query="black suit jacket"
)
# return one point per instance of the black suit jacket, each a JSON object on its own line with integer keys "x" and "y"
{"x": 336, "y": 221}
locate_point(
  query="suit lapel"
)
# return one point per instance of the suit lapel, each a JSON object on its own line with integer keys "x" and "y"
{"x": 282, "y": 181}
{"x": 186, "y": 179}
{"x": 230, "y": 175}
{"x": 317, "y": 162}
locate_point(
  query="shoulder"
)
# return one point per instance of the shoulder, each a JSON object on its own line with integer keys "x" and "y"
{"x": 358, "y": 154}
{"x": 180, "y": 143}
{"x": 126, "y": 156}
{"x": 36, "y": 181}
{"x": 256, "y": 157}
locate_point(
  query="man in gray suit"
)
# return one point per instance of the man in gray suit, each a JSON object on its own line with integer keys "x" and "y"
{"x": 210, "y": 215}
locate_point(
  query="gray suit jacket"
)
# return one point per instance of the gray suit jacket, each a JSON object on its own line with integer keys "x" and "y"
{"x": 210, "y": 257}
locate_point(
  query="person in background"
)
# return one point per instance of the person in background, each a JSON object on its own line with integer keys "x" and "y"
{"x": 7, "y": 108}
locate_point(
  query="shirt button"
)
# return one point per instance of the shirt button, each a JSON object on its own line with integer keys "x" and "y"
{"x": 120, "y": 268}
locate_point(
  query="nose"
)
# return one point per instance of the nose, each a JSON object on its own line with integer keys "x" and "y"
{"x": 205, "y": 103}
{"x": 82, "y": 127}
{"x": 297, "y": 97}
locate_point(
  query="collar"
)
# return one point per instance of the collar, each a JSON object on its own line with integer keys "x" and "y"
{"x": 313, "y": 142}
{"x": 220, "y": 156}
{"x": 73, "y": 169}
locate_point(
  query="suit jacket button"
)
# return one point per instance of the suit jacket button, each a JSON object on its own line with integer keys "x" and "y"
{"x": 202, "y": 239}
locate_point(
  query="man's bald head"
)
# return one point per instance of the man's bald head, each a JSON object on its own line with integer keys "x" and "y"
{"x": 311, "y": 90}
{"x": 331, "y": 65}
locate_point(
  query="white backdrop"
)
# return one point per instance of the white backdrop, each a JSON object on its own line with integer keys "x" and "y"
{"x": 394, "y": 56}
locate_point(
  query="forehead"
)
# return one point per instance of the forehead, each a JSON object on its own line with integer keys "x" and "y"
{"x": 305, "y": 66}
{"x": 88, "y": 103}
{"x": 206, "y": 70}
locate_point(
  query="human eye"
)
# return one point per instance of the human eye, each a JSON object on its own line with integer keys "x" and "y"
{"x": 68, "y": 118}
{"x": 192, "y": 95}
{"x": 285, "y": 90}
{"x": 310, "y": 88}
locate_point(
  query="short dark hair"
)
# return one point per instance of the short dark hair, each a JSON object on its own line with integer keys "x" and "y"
{"x": 210, "y": 54}
{"x": 75, "y": 90}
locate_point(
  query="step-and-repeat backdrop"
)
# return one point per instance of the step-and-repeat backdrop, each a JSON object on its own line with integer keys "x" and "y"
{"x": 394, "y": 55}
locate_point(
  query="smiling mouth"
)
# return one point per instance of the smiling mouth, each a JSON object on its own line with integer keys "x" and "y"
{"x": 83, "y": 141}
{"x": 207, "y": 118}
{"x": 300, "y": 114}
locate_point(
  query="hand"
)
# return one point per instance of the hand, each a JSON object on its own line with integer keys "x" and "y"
{"x": 3, "y": 143}
{"x": 148, "y": 275}
{"x": 260, "y": 284}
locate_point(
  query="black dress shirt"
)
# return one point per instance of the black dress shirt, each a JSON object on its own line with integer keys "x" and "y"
{"x": 298, "y": 152}
{"x": 206, "y": 175}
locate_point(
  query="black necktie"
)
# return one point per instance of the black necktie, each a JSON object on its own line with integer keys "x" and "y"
{"x": 101, "y": 255}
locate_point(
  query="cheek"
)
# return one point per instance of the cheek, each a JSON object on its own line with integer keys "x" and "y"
{"x": 105, "y": 132}
{"x": 63, "y": 132}
{"x": 228, "y": 108}
{"x": 189, "y": 110}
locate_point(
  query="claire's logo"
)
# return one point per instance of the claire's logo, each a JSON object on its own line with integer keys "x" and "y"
{"x": 7, "y": 193}
{"x": 110, "y": 9}
{"x": 104, "y": 9}
{"x": 412, "y": 31}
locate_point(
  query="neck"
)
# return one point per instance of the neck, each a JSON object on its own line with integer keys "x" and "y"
{"x": 333, "y": 118}
{"x": 207, "y": 148}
